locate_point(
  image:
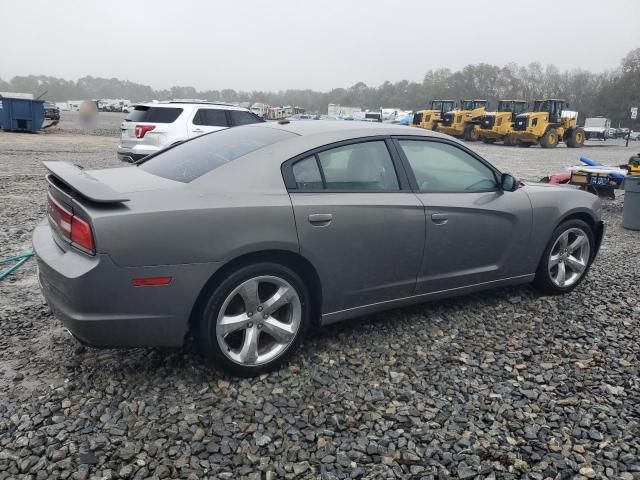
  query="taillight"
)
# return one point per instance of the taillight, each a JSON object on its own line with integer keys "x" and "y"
{"x": 141, "y": 130}
{"x": 70, "y": 226}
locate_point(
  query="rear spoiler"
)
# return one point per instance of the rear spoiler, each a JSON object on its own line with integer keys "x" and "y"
{"x": 80, "y": 181}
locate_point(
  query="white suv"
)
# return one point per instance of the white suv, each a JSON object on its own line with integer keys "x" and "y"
{"x": 150, "y": 127}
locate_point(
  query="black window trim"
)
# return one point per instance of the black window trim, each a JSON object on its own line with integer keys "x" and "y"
{"x": 412, "y": 178}
{"x": 232, "y": 123}
{"x": 203, "y": 107}
{"x": 401, "y": 174}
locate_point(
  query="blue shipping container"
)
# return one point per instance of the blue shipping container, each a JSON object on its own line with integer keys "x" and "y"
{"x": 21, "y": 114}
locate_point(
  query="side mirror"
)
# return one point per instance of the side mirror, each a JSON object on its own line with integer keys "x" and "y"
{"x": 509, "y": 183}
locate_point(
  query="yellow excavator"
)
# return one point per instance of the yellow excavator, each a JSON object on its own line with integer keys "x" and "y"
{"x": 429, "y": 119}
{"x": 464, "y": 121}
{"x": 548, "y": 124}
{"x": 498, "y": 125}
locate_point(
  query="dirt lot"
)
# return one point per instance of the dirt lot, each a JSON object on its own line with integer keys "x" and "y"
{"x": 503, "y": 384}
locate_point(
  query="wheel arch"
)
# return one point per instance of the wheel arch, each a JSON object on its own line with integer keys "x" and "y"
{"x": 299, "y": 264}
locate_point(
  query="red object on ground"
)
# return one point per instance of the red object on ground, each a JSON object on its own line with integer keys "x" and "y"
{"x": 560, "y": 178}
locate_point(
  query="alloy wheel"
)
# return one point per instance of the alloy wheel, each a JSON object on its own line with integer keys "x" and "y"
{"x": 258, "y": 320}
{"x": 569, "y": 257}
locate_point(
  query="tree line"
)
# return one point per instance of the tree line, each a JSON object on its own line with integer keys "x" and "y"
{"x": 610, "y": 93}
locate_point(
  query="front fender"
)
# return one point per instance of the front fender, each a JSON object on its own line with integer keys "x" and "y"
{"x": 551, "y": 205}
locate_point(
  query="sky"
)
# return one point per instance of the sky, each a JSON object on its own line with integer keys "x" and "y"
{"x": 316, "y": 44}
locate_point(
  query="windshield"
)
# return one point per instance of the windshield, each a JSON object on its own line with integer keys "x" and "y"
{"x": 518, "y": 108}
{"x": 187, "y": 161}
{"x": 143, "y": 113}
{"x": 466, "y": 105}
{"x": 540, "y": 106}
{"x": 510, "y": 106}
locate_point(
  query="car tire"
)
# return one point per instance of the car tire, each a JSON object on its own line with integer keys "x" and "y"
{"x": 548, "y": 273}
{"x": 250, "y": 347}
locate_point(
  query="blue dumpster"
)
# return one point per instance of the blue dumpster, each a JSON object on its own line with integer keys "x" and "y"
{"x": 21, "y": 114}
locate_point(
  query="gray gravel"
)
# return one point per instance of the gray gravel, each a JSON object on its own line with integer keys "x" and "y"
{"x": 503, "y": 384}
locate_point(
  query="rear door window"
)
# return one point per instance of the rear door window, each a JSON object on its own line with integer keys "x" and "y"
{"x": 239, "y": 117}
{"x": 189, "y": 160}
{"x": 359, "y": 167}
{"x": 210, "y": 117}
{"x": 145, "y": 114}
{"x": 307, "y": 174}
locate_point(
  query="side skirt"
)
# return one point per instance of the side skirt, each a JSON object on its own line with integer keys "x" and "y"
{"x": 340, "y": 315}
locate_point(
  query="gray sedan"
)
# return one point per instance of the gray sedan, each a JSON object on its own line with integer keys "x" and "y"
{"x": 247, "y": 236}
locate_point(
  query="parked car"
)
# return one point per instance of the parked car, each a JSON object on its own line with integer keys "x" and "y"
{"x": 623, "y": 132}
{"x": 51, "y": 111}
{"x": 249, "y": 235}
{"x": 634, "y": 136}
{"x": 150, "y": 127}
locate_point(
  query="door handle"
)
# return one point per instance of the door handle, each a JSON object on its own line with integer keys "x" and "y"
{"x": 197, "y": 130}
{"x": 439, "y": 218}
{"x": 320, "y": 219}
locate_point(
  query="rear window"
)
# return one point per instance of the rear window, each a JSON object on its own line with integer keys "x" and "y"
{"x": 154, "y": 114}
{"x": 192, "y": 159}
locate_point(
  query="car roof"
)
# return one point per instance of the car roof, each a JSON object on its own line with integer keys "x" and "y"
{"x": 170, "y": 104}
{"x": 303, "y": 136}
{"x": 343, "y": 129}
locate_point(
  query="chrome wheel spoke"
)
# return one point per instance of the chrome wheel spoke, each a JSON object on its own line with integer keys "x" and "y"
{"x": 249, "y": 293}
{"x": 280, "y": 331}
{"x": 554, "y": 260}
{"x": 249, "y": 351}
{"x": 230, "y": 324}
{"x": 562, "y": 274}
{"x": 564, "y": 240}
{"x": 279, "y": 299}
{"x": 577, "y": 243}
{"x": 574, "y": 264}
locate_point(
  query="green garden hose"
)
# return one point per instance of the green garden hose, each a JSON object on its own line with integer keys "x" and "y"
{"x": 18, "y": 259}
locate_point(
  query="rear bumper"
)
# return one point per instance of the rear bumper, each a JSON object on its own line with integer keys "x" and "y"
{"x": 131, "y": 156}
{"x": 96, "y": 301}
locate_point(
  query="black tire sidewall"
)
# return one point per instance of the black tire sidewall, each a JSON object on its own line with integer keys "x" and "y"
{"x": 205, "y": 327}
{"x": 542, "y": 279}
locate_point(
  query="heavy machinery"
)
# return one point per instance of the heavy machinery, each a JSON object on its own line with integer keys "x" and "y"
{"x": 429, "y": 119}
{"x": 498, "y": 125}
{"x": 548, "y": 123}
{"x": 464, "y": 121}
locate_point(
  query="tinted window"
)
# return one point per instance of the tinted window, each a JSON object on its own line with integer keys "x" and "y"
{"x": 361, "y": 166}
{"x": 439, "y": 167}
{"x": 307, "y": 174}
{"x": 243, "y": 118}
{"x": 189, "y": 160}
{"x": 154, "y": 114}
{"x": 210, "y": 117}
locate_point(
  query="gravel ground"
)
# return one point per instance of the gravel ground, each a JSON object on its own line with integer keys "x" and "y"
{"x": 503, "y": 384}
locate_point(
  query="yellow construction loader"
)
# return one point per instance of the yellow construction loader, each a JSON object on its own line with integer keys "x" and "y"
{"x": 464, "y": 121}
{"x": 498, "y": 125}
{"x": 548, "y": 124}
{"x": 429, "y": 119}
